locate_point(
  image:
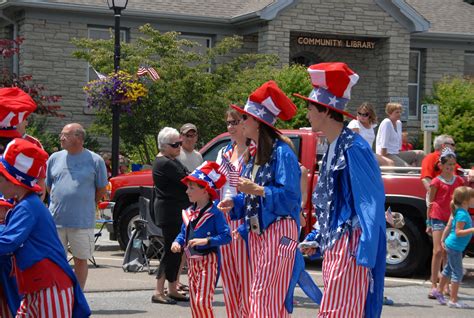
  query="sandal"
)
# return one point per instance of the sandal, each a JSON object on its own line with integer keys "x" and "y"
{"x": 183, "y": 287}
{"x": 162, "y": 299}
{"x": 432, "y": 293}
{"x": 178, "y": 298}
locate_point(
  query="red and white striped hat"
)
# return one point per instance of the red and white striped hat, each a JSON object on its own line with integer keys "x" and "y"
{"x": 267, "y": 103}
{"x": 208, "y": 176}
{"x": 15, "y": 107}
{"x": 22, "y": 163}
{"x": 332, "y": 84}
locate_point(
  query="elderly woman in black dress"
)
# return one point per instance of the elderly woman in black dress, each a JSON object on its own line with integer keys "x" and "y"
{"x": 170, "y": 199}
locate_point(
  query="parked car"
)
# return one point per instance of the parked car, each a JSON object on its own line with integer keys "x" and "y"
{"x": 408, "y": 248}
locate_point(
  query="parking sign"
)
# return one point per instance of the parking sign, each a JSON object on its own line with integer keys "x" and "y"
{"x": 429, "y": 117}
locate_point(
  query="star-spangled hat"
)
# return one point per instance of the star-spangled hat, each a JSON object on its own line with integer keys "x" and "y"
{"x": 267, "y": 103}
{"x": 332, "y": 83}
{"x": 22, "y": 163}
{"x": 15, "y": 107}
{"x": 208, "y": 176}
{"x": 6, "y": 203}
{"x": 447, "y": 152}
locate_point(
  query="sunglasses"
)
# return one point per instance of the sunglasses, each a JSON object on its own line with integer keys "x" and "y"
{"x": 232, "y": 122}
{"x": 189, "y": 135}
{"x": 176, "y": 144}
{"x": 451, "y": 144}
{"x": 363, "y": 114}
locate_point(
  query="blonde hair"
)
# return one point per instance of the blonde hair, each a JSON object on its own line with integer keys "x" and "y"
{"x": 461, "y": 195}
{"x": 391, "y": 107}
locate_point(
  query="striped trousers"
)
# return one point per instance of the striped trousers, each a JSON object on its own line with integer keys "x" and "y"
{"x": 202, "y": 274}
{"x": 345, "y": 283}
{"x": 47, "y": 303}
{"x": 272, "y": 261}
{"x": 4, "y": 310}
{"x": 236, "y": 275}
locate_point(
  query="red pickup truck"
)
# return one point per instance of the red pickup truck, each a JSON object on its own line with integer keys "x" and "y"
{"x": 408, "y": 248}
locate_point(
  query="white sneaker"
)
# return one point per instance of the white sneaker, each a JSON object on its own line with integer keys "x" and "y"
{"x": 457, "y": 305}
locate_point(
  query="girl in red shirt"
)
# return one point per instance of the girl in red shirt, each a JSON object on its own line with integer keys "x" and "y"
{"x": 441, "y": 193}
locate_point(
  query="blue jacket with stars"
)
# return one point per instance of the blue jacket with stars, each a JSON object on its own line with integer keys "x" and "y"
{"x": 213, "y": 226}
{"x": 281, "y": 180}
{"x": 354, "y": 187}
{"x": 31, "y": 236}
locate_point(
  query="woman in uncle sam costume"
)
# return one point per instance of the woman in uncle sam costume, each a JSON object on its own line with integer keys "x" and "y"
{"x": 269, "y": 200}
{"x": 235, "y": 266}
{"x": 39, "y": 263}
{"x": 349, "y": 202}
{"x": 204, "y": 229}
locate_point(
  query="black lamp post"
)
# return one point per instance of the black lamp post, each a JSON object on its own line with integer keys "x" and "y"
{"x": 117, "y": 6}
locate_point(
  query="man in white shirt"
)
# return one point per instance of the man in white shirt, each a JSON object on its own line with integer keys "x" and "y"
{"x": 188, "y": 156}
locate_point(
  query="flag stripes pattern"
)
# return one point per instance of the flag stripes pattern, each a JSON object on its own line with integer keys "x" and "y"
{"x": 271, "y": 272}
{"x": 202, "y": 283}
{"x": 47, "y": 303}
{"x": 345, "y": 283}
{"x": 236, "y": 274}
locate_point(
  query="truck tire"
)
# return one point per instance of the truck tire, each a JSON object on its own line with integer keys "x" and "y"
{"x": 406, "y": 250}
{"x": 125, "y": 224}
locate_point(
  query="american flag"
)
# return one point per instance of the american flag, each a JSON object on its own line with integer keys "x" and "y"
{"x": 99, "y": 75}
{"x": 227, "y": 168}
{"x": 287, "y": 247}
{"x": 144, "y": 70}
{"x": 389, "y": 216}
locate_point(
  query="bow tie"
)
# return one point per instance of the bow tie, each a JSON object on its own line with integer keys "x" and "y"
{"x": 193, "y": 215}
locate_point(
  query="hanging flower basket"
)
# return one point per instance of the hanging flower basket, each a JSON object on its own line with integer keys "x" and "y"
{"x": 116, "y": 89}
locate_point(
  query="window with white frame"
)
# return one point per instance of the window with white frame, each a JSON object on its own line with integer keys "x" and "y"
{"x": 414, "y": 83}
{"x": 469, "y": 63}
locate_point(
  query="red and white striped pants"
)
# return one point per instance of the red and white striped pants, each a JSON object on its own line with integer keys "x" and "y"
{"x": 345, "y": 283}
{"x": 202, "y": 274}
{"x": 4, "y": 310}
{"x": 47, "y": 303}
{"x": 236, "y": 275}
{"x": 272, "y": 266}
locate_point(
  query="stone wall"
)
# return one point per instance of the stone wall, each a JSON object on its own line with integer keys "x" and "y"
{"x": 383, "y": 71}
{"x": 46, "y": 54}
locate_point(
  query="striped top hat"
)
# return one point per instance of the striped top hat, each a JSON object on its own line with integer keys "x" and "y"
{"x": 22, "y": 163}
{"x": 332, "y": 83}
{"x": 15, "y": 107}
{"x": 267, "y": 103}
{"x": 208, "y": 176}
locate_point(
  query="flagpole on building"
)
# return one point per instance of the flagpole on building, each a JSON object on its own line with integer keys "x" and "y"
{"x": 117, "y": 6}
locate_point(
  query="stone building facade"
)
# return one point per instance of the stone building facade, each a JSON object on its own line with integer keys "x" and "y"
{"x": 399, "y": 48}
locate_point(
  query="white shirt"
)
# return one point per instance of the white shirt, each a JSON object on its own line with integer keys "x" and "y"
{"x": 388, "y": 137}
{"x": 367, "y": 133}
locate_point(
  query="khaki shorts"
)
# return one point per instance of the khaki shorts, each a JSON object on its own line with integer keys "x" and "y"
{"x": 80, "y": 242}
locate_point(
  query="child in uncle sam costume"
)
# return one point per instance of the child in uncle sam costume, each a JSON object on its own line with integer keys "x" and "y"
{"x": 349, "y": 202}
{"x": 269, "y": 200}
{"x": 204, "y": 229}
{"x": 9, "y": 298}
{"x": 39, "y": 262}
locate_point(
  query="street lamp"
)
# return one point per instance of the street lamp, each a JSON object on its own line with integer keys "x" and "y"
{"x": 117, "y": 6}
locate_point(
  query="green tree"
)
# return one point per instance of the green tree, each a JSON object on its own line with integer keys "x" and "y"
{"x": 455, "y": 97}
{"x": 187, "y": 91}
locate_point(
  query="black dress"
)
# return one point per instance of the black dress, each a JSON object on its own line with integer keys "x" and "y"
{"x": 170, "y": 200}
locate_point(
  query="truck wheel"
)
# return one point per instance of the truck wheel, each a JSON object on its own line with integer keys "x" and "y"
{"x": 125, "y": 224}
{"x": 406, "y": 250}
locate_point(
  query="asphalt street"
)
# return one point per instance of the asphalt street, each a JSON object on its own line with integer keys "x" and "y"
{"x": 113, "y": 293}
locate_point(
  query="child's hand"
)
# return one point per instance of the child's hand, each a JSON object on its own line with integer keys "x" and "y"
{"x": 308, "y": 251}
{"x": 225, "y": 205}
{"x": 429, "y": 230}
{"x": 443, "y": 245}
{"x": 236, "y": 235}
{"x": 175, "y": 247}
{"x": 198, "y": 242}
